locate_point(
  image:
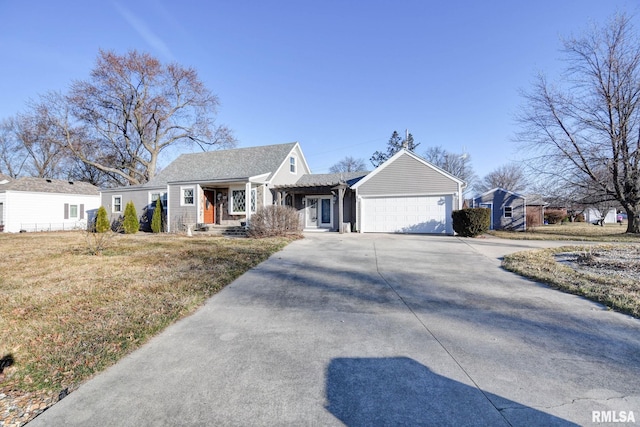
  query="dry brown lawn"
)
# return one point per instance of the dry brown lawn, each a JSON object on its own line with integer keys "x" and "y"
{"x": 67, "y": 314}
{"x": 579, "y": 231}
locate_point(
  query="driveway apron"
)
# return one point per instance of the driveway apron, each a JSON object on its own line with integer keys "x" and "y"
{"x": 373, "y": 330}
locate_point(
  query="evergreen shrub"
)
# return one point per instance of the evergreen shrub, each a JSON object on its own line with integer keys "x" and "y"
{"x": 471, "y": 222}
{"x": 156, "y": 219}
{"x": 131, "y": 225}
{"x": 102, "y": 221}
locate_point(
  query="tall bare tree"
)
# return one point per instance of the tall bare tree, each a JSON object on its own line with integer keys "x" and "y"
{"x": 12, "y": 153}
{"x": 348, "y": 164}
{"x": 130, "y": 110}
{"x": 510, "y": 177}
{"x": 457, "y": 164}
{"x": 587, "y": 132}
{"x": 30, "y": 145}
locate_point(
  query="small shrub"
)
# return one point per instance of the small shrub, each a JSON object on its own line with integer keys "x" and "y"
{"x": 156, "y": 218}
{"x": 131, "y": 225}
{"x": 102, "y": 221}
{"x": 554, "y": 216}
{"x": 275, "y": 220}
{"x": 471, "y": 222}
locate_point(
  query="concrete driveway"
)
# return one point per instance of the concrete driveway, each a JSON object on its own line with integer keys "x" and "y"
{"x": 373, "y": 330}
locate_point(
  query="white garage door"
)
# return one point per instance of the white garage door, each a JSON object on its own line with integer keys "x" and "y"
{"x": 419, "y": 214}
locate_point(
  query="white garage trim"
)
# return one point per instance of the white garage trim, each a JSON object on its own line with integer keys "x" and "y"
{"x": 407, "y": 214}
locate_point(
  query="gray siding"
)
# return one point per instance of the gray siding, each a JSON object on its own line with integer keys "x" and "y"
{"x": 139, "y": 197}
{"x": 405, "y": 176}
{"x": 499, "y": 200}
{"x": 180, "y": 215}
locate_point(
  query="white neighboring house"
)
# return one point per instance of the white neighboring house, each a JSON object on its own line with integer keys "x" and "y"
{"x": 593, "y": 215}
{"x": 40, "y": 204}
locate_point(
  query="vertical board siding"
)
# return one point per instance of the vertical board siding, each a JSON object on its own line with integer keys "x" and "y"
{"x": 407, "y": 175}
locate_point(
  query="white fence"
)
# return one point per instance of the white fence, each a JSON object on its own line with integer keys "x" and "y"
{"x": 52, "y": 226}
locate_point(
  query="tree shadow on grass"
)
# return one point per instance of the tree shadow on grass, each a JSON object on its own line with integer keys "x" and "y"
{"x": 400, "y": 391}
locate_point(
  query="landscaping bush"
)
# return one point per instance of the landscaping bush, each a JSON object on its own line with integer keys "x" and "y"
{"x": 273, "y": 221}
{"x": 102, "y": 224}
{"x": 130, "y": 224}
{"x": 471, "y": 222}
{"x": 156, "y": 218}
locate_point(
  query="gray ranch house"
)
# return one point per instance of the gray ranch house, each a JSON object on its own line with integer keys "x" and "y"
{"x": 406, "y": 194}
{"x": 508, "y": 209}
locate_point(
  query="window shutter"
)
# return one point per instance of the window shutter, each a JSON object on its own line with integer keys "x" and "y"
{"x": 81, "y": 211}
{"x": 66, "y": 211}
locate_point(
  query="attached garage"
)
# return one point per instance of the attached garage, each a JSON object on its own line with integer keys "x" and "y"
{"x": 408, "y": 214}
{"x": 407, "y": 194}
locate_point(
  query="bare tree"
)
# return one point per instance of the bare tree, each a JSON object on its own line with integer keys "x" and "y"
{"x": 348, "y": 164}
{"x": 30, "y": 145}
{"x": 12, "y": 154}
{"x": 458, "y": 165}
{"x": 130, "y": 110}
{"x": 587, "y": 133}
{"x": 509, "y": 177}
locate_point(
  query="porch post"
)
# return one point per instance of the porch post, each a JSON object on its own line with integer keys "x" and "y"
{"x": 340, "y": 208}
{"x": 278, "y": 197}
{"x": 247, "y": 201}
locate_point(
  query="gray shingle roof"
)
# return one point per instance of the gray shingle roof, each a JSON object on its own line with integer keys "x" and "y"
{"x": 43, "y": 185}
{"x": 327, "y": 179}
{"x": 4, "y": 177}
{"x": 224, "y": 164}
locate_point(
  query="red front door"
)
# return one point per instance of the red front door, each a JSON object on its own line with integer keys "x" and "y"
{"x": 209, "y": 207}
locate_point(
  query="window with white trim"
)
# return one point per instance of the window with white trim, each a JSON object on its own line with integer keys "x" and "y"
{"x": 158, "y": 195}
{"x": 73, "y": 211}
{"x": 116, "y": 204}
{"x": 188, "y": 196}
{"x": 238, "y": 203}
{"x": 508, "y": 212}
{"x": 292, "y": 164}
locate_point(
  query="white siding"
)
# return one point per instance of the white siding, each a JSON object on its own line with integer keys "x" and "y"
{"x": 413, "y": 214}
{"x": 41, "y": 211}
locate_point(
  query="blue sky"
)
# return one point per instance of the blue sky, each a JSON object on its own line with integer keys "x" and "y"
{"x": 337, "y": 76}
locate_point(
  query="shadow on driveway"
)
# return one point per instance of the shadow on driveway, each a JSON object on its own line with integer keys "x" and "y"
{"x": 400, "y": 391}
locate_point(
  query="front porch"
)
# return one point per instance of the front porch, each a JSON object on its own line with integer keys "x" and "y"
{"x": 325, "y": 202}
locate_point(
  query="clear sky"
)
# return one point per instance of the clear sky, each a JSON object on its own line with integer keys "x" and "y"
{"x": 338, "y": 76}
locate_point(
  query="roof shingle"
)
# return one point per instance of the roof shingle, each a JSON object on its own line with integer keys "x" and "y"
{"x": 43, "y": 185}
{"x": 224, "y": 164}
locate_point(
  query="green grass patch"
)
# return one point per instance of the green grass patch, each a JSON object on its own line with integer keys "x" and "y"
{"x": 66, "y": 315}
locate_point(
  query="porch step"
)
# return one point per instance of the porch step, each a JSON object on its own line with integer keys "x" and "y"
{"x": 223, "y": 230}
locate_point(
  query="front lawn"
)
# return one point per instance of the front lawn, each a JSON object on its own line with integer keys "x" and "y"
{"x": 607, "y": 274}
{"x": 66, "y": 315}
{"x": 577, "y": 231}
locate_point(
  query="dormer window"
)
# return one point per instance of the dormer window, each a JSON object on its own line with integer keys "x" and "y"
{"x": 292, "y": 164}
